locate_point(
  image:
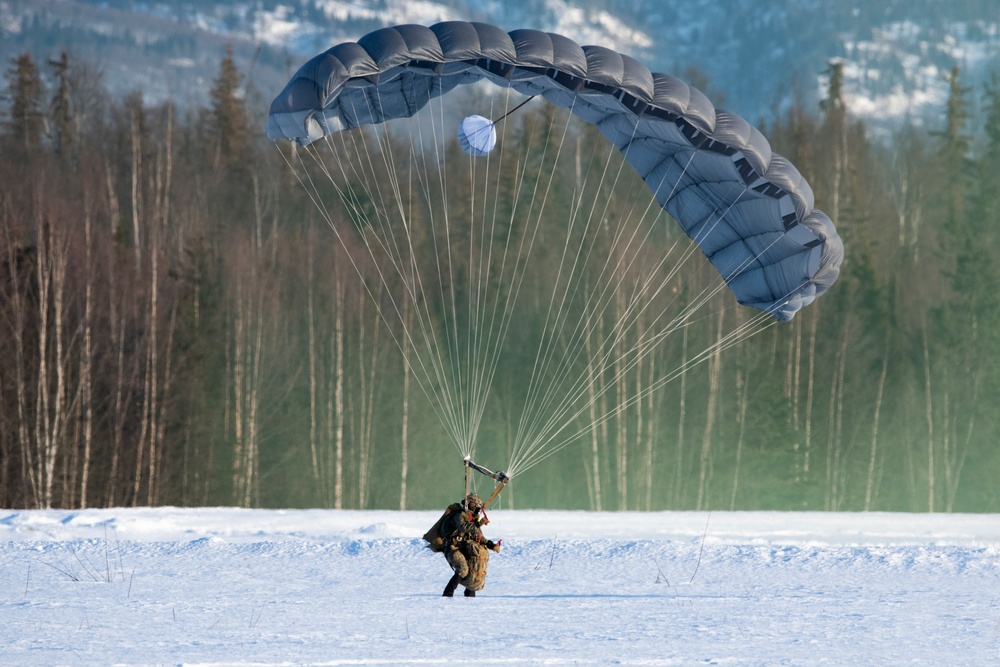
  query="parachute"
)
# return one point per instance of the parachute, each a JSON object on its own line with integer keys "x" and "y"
{"x": 748, "y": 209}
{"x": 477, "y": 135}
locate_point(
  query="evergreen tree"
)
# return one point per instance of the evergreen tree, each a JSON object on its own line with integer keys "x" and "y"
{"x": 990, "y": 162}
{"x": 957, "y": 115}
{"x": 230, "y": 120}
{"x": 953, "y": 157}
{"x": 963, "y": 363}
{"x": 956, "y": 179}
{"x": 976, "y": 274}
{"x": 833, "y": 104}
{"x": 26, "y": 122}
{"x": 229, "y": 144}
{"x": 61, "y": 109}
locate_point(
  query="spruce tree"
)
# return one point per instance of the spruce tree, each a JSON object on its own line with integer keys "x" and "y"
{"x": 25, "y": 124}
{"x": 228, "y": 144}
{"x": 990, "y": 162}
{"x": 834, "y": 101}
{"x": 979, "y": 275}
{"x": 967, "y": 319}
{"x": 955, "y": 160}
{"x": 61, "y": 109}
{"x": 957, "y": 115}
{"x": 230, "y": 120}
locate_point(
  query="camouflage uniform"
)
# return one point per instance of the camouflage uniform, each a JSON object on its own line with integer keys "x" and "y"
{"x": 467, "y": 550}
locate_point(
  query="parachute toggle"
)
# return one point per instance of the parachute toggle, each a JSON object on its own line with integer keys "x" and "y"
{"x": 477, "y": 135}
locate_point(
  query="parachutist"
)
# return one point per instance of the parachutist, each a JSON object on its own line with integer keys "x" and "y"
{"x": 458, "y": 534}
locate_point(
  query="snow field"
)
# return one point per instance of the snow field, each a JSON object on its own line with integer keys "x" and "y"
{"x": 238, "y": 587}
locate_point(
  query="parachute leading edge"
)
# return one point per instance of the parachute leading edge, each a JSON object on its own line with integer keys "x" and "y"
{"x": 749, "y": 210}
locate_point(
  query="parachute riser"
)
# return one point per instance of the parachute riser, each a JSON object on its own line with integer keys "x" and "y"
{"x": 500, "y": 476}
{"x": 496, "y": 492}
{"x": 466, "y": 480}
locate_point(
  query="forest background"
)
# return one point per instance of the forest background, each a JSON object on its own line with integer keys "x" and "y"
{"x": 178, "y": 326}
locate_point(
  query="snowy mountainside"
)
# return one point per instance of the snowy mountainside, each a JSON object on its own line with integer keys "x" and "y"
{"x": 752, "y": 57}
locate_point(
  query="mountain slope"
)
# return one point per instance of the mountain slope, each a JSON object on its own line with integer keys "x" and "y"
{"x": 753, "y": 57}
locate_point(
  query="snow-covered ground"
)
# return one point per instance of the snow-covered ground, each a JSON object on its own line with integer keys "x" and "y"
{"x": 250, "y": 587}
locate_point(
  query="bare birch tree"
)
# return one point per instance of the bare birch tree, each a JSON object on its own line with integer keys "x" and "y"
{"x": 621, "y": 392}
{"x": 404, "y": 458}
{"x": 313, "y": 360}
{"x": 714, "y": 373}
{"x": 369, "y": 366}
{"x": 681, "y": 420}
{"x": 870, "y": 486}
{"x": 87, "y": 353}
{"x": 337, "y": 415}
{"x": 595, "y": 390}
{"x": 929, "y": 416}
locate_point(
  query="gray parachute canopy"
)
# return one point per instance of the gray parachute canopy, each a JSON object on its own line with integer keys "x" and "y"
{"x": 748, "y": 209}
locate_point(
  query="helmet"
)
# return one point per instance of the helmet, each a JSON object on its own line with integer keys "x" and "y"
{"x": 473, "y": 502}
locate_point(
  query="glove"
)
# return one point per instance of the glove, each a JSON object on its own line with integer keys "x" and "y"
{"x": 493, "y": 546}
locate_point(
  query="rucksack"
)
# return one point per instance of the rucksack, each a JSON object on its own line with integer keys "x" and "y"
{"x": 435, "y": 539}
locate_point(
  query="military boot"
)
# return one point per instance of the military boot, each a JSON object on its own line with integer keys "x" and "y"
{"x": 449, "y": 590}
{"x": 469, "y": 593}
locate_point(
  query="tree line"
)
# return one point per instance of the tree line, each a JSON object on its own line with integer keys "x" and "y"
{"x": 180, "y": 326}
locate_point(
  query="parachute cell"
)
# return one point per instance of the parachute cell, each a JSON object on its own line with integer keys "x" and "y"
{"x": 748, "y": 209}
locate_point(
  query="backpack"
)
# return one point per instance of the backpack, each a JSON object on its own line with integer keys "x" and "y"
{"x": 435, "y": 538}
